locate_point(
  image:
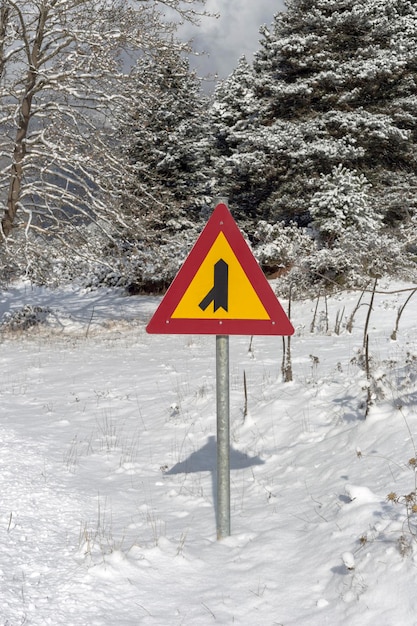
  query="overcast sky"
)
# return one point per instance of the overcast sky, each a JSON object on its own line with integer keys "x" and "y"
{"x": 235, "y": 33}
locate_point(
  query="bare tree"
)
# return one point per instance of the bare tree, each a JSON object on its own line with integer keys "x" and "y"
{"x": 65, "y": 70}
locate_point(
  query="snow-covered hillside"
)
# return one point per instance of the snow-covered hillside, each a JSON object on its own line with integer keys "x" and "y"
{"x": 107, "y": 450}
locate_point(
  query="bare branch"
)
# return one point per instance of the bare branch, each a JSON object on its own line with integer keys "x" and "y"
{"x": 65, "y": 68}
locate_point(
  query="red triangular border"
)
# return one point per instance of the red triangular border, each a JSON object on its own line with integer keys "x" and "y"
{"x": 162, "y": 322}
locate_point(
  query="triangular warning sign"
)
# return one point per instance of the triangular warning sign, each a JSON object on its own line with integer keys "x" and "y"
{"x": 220, "y": 289}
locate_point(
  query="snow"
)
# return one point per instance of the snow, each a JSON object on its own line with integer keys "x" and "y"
{"x": 107, "y": 456}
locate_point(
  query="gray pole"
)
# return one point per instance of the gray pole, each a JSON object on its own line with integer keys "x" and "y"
{"x": 223, "y": 436}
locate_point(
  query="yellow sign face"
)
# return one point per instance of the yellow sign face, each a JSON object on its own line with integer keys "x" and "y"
{"x": 220, "y": 289}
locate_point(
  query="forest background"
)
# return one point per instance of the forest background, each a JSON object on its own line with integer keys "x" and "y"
{"x": 112, "y": 153}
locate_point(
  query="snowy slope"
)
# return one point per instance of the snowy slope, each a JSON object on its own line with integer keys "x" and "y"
{"x": 107, "y": 507}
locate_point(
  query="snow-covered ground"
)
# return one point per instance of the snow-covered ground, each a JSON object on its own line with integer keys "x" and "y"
{"x": 107, "y": 450}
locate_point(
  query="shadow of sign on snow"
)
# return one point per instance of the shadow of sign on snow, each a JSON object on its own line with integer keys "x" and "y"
{"x": 205, "y": 460}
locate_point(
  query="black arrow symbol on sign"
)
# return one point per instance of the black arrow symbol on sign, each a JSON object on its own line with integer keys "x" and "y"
{"x": 219, "y": 293}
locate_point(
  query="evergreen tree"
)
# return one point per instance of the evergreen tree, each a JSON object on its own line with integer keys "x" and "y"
{"x": 162, "y": 198}
{"x": 333, "y": 83}
{"x": 166, "y": 120}
{"x": 343, "y": 203}
{"x": 233, "y": 120}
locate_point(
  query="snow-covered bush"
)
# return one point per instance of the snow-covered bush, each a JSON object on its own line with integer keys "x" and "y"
{"x": 277, "y": 246}
{"x": 25, "y": 318}
{"x": 351, "y": 263}
{"x": 342, "y": 203}
{"x": 51, "y": 261}
{"x": 321, "y": 269}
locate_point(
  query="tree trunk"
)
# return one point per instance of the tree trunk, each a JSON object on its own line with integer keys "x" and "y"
{"x": 4, "y": 16}
{"x": 25, "y": 114}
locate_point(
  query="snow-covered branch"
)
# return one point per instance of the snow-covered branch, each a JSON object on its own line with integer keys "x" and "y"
{"x": 66, "y": 86}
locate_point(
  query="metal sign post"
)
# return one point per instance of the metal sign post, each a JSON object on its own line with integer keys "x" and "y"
{"x": 223, "y": 436}
{"x": 220, "y": 288}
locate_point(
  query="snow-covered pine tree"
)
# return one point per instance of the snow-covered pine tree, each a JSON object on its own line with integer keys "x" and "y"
{"x": 233, "y": 116}
{"x": 342, "y": 203}
{"x": 166, "y": 121}
{"x": 164, "y": 138}
{"x": 333, "y": 82}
